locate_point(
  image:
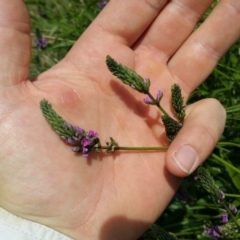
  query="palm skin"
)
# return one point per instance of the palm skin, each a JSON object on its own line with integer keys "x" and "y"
{"x": 107, "y": 196}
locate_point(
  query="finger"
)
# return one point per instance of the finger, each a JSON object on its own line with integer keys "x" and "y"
{"x": 120, "y": 22}
{"x": 15, "y": 42}
{"x": 202, "y": 128}
{"x": 200, "y": 53}
{"x": 173, "y": 26}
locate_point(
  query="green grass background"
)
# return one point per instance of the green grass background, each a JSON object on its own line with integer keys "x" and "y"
{"x": 62, "y": 21}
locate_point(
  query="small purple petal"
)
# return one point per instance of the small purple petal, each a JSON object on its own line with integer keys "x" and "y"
{"x": 101, "y": 4}
{"x": 75, "y": 138}
{"x": 92, "y": 134}
{"x": 41, "y": 43}
{"x": 159, "y": 95}
{"x": 213, "y": 231}
{"x": 68, "y": 125}
{"x": 233, "y": 208}
{"x": 85, "y": 152}
{"x": 147, "y": 100}
{"x": 86, "y": 142}
{"x": 222, "y": 194}
{"x": 79, "y": 130}
{"x": 70, "y": 141}
{"x": 180, "y": 124}
{"x": 224, "y": 218}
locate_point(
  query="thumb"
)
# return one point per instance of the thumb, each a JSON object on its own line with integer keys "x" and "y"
{"x": 203, "y": 126}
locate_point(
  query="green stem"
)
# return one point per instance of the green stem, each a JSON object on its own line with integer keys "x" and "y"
{"x": 137, "y": 148}
{"x": 228, "y": 144}
{"x": 232, "y": 195}
{"x": 158, "y": 105}
{"x": 225, "y": 163}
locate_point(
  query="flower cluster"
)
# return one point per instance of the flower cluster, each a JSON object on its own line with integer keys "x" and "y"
{"x": 226, "y": 229}
{"x": 83, "y": 141}
{"x": 214, "y": 232}
{"x": 222, "y": 229}
{"x": 78, "y": 138}
{"x": 150, "y": 101}
{"x": 138, "y": 83}
{"x": 41, "y": 43}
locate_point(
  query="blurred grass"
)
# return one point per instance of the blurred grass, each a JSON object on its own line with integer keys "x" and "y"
{"x": 62, "y": 22}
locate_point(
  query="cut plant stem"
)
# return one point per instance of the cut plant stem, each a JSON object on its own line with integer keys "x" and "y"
{"x": 136, "y": 148}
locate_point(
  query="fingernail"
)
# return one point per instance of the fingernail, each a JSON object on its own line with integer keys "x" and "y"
{"x": 185, "y": 157}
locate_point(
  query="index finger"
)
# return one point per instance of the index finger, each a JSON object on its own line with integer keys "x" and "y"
{"x": 124, "y": 21}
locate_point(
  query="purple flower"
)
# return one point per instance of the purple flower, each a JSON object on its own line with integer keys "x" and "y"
{"x": 102, "y": 3}
{"x": 70, "y": 141}
{"x": 86, "y": 142}
{"x": 147, "y": 100}
{"x": 159, "y": 96}
{"x": 81, "y": 140}
{"x": 233, "y": 208}
{"x": 213, "y": 232}
{"x": 41, "y": 43}
{"x": 79, "y": 130}
{"x": 85, "y": 152}
{"x": 222, "y": 196}
{"x": 92, "y": 134}
{"x": 224, "y": 218}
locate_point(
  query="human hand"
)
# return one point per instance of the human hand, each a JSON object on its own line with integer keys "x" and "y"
{"x": 107, "y": 196}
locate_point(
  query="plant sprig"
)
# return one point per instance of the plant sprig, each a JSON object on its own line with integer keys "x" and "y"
{"x": 88, "y": 141}
{"x": 81, "y": 140}
{"x": 138, "y": 83}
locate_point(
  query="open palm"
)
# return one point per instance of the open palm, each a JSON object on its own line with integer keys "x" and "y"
{"x": 107, "y": 196}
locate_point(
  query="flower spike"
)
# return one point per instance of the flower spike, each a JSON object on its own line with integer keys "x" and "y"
{"x": 128, "y": 76}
